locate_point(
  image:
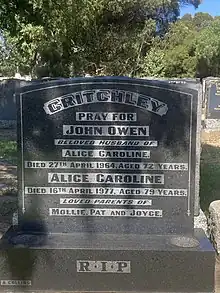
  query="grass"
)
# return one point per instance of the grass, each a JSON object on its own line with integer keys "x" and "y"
{"x": 209, "y": 185}
{"x": 8, "y": 151}
{"x": 210, "y": 169}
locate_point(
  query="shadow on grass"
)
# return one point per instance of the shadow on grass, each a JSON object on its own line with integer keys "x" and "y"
{"x": 209, "y": 176}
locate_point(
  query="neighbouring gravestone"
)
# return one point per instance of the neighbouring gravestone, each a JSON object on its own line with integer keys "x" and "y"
{"x": 108, "y": 169}
{"x": 8, "y": 87}
{"x": 193, "y": 83}
{"x": 212, "y": 103}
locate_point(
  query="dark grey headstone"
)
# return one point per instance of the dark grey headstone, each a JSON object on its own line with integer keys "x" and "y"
{"x": 105, "y": 204}
{"x": 211, "y": 104}
{"x": 8, "y": 88}
{"x": 134, "y": 175}
{"x": 213, "y": 107}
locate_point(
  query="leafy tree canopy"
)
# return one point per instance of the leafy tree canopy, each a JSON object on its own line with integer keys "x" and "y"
{"x": 99, "y": 37}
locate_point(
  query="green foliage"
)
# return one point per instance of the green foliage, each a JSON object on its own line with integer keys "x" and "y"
{"x": 63, "y": 38}
{"x": 202, "y": 20}
{"x": 179, "y": 63}
{"x": 174, "y": 55}
{"x": 207, "y": 49}
{"x": 190, "y": 48}
{"x": 154, "y": 63}
{"x": 102, "y": 37}
{"x": 8, "y": 150}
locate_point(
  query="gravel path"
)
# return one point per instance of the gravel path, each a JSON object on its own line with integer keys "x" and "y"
{"x": 8, "y": 194}
{"x": 8, "y": 178}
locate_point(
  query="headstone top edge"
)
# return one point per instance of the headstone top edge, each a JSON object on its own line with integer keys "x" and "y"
{"x": 166, "y": 84}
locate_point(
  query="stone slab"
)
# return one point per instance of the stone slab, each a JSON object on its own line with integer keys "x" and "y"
{"x": 155, "y": 106}
{"x": 214, "y": 224}
{"x": 86, "y": 262}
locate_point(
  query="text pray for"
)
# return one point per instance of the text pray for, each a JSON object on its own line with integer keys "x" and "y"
{"x": 105, "y": 116}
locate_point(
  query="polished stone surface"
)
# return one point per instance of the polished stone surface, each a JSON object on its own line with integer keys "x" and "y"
{"x": 82, "y": 262}
{"x": 173, "y": 194}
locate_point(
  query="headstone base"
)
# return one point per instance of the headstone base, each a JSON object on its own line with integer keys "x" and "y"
{"x": 106, "y": 262}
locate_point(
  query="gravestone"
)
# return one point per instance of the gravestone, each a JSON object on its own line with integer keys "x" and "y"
{"x": 108, "y": 173}
{"x": 8, "y": 102}
{"x": 212, "y": 103}
{"x": 8, "y": 87}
